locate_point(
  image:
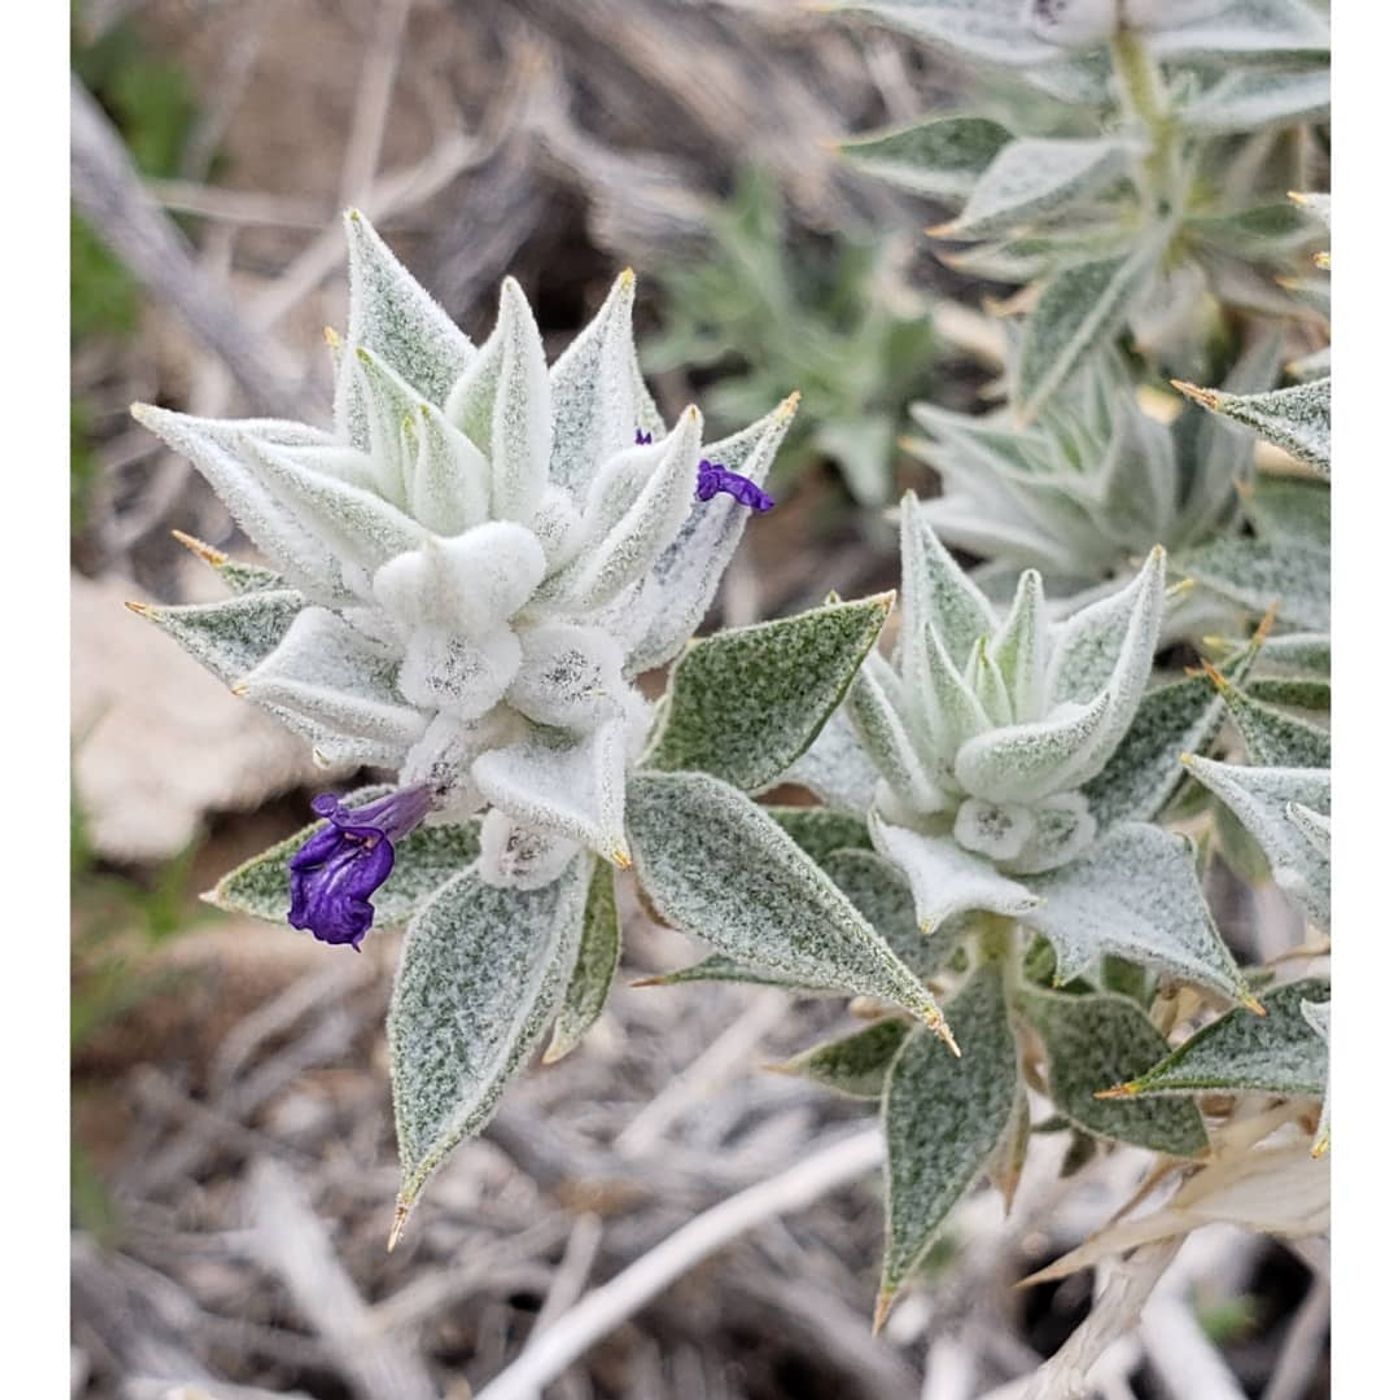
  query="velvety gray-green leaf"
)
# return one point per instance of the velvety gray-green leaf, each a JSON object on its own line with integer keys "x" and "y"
{"x": 1247, "y": 99}
{"x": 1095, "y": 1042}
{"x": 938, "y": 158}
{"x": 1274, "y": 1054}
{"x": 1297, "y": 419}
{"x": 600, "y": 950}
{"x": 720, "y": 968}
{"x": 1081, "y": 308}
{"x": 1260, "y": 798}
{"x": 1035, "y": 177}
{"x": 1258, "y": 573}
{"x": 746, "y": 703}
{"x": 854, "y": 1064}
{"x": 482, "y": 972}
{"x": 879, "y": 890}
{"x": 943, "y": 1119}
{"x": 232, "y": 636}
{"x": 994, "y": 30}
{"x": 1274, "y": 738}
{"x": 1145, "y": 770}
{"x": 716, "y": 866}
{"x": 820, "y": 831}
{"x": 1135, "y": 894}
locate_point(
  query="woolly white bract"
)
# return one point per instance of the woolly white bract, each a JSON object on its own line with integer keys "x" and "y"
{"x": 489, "y": 550}
{"x": 987, "y": 726}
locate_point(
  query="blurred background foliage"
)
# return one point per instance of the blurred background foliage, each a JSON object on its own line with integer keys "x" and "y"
{"x": 150, "y": 99}
{"x": 765, "y": 310}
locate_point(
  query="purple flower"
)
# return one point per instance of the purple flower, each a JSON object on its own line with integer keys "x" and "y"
{"x": 715, "y": 477}
{"x": 643, "y": 439}
{"x": 336, "y": 870}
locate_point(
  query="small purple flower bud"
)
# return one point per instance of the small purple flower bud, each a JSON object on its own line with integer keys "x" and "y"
{"x": 715, "y": 477}
{"x": 643, "y": 439}
{"x": 336, "y": 870}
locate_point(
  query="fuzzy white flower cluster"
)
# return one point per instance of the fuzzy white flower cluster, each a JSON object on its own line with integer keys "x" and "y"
{"x": 986, "y": 728}
{"x": 490, "y": 550}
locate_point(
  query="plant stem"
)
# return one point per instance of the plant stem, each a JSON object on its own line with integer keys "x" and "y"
{"x": 1143, "y": 98}
{"x": 996, "y": 938}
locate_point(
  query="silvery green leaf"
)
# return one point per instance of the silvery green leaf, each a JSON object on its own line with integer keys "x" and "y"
{"x": 946, "y": 879}
{"x": 566, "y": 784}
{"x": 1260, "y": 573}
{"x": 988, "y": 687}
{"x": 1097, "y": 232}
{"x": 1274, "y": 738}
{"x": 1260, "y": 798}
{"x": 1032, "y": 178}
{"x": 1297, "y": 419}
{"x": 448, "y": 479}
{"x": 240, "y": 576}
{"x": 1136, "y": 484}
{"x": 873, "y": 711}
{"x": 1247, "y": 99}
{"x": 1095, "y": 1042}
{"x": 956, "y": 706}
{"x": 747, "y": 702}
{"x": 392, "y": 315}
{"x": 879, "y": 890}
{"x": 424, "y": 861}
{"x": 943, "y": 1119}
{"x": 1145, "y": 770}
{"x": 714, "y": 865}
{"x": 473, "y": 583}
{"x": 218, "y": 451}
{"x": 1243, "y": 1053}
{"x": 600, "y": 951}
{"x": 820, "y": 830}
{"x": 599, "y": 401}
{"x": 1082, "y": 79}
{"x": 1079, "y": 309}
{"x": 1316, "y": 826}
{"x": 683, "y": 580}
{"x": 837, "y": 769}
{"x": 1216, "y": 454}
{"x": 325, "y": 671}
{"x": 1295, "y": 692}
{"x": 937, "y": 159}
{"x": 994, "y": 30}
{"x": 1246, "y": 27}
{"x": 481, "y": 974}
{"x": 1302, "y": 653}
{"x": 720, "y": 968}
{"x": 390, "y": 408}
{"x": 502, "y": 403}
{"x": 1022, "y": 762}
{"x": 617, "y": 551}
{"x": 854, "y": 1064}
{"x": 935, "y": 593}
{"x": 233, "y": 636}
{"x": 1318, "y": 1014}
{"x": 1134, "y": 894}
{"x": 1264, "y": 233}
{"x": 355, "y": 523}
{"x": 569, "y": 676}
